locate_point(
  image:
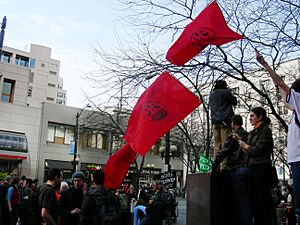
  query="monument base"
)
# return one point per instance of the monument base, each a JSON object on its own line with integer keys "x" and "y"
{"x": 210, "y": 200}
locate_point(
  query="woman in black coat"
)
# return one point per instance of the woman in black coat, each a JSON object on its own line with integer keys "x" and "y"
{"x": 259, "y": 149}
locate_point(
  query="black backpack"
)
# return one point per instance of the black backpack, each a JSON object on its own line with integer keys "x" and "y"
{"x": 106, "y": 209}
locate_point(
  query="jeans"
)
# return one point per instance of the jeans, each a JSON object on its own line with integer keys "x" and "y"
{"x": 260, "y": 198}
{"x": 240, "y": 182}
{"x": 295, "y": 167}
{"x": 221, "y": 133}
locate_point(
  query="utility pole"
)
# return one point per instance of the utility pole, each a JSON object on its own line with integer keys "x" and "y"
{"x": 167, "y": 153}
{"x": 75, "y": 157}
{"x": 3, "y": 26}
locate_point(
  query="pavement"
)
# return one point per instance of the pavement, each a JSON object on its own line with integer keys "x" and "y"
{"x": 181, "y": 219}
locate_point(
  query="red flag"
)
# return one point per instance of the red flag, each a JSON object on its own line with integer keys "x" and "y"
{"x": 209, "y": 27}
{"x": 117, "y": 166}
{"x": 164, "y": 104}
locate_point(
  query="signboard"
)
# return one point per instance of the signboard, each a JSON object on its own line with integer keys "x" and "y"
{"x": 204, "y": 164}
{"x": 72, "y": 148}
{"x": 168, "y": 179}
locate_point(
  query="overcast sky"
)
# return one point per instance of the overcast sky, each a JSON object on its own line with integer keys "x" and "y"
{"x": 70, "y": 28}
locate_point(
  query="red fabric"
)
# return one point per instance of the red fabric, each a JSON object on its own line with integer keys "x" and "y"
{"x": 164, "y": 104}
{"x": 117, "y": 166}
{"x": 209, "y": 27}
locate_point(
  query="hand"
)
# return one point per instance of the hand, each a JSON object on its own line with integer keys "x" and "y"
{"x": 10, "y": 209}
{"x": 243, "y": 145}
{"x": 76, "y": 210}
{"x": 236, "y": 136}
{"x": 259, "y": 57}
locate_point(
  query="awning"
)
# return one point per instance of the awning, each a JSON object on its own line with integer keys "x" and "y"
{"x": 58, "y": 164}
{"x": 13, "y": 155}
{"x": 13, "y": 141}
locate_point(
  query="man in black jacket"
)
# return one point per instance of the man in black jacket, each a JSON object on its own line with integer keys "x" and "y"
{"x": 221, "y": 102}
{"x": 71, "y": 200}
{"x": 99, "y": 205}
{"x": 235, "y": 167}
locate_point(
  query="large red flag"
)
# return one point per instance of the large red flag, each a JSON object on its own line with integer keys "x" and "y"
{"x": 164, "y": 104}
{"x": 117, "y": 166}
{"x": 209, "y": 27}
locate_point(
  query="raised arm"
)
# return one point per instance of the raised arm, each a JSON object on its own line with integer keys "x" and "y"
{"x": 276, "y": 78}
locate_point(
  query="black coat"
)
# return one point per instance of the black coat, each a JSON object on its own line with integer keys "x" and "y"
{"x": 221, "y": 102}
{"x": 261, "y": 145}
{"x": 69, "y": 200}
{"x": 231, "y": 150}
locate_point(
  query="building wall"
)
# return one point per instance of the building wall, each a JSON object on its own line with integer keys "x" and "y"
{"x": 23, "y": 119}
{"x": 46, "y": 82}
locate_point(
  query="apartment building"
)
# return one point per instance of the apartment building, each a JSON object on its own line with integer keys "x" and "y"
{"x": 44, "y": 83}
{"x": 26, "y": 80}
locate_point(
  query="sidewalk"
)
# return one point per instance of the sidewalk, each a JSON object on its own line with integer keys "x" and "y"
{"x": 181, "y": 219}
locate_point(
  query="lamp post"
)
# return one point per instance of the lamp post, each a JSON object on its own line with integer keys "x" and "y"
{"x": 150, "y": 167}
{"x": 76, "y": 158}
{"x": 167, "y": 151}
{"x": 3, "y": 26}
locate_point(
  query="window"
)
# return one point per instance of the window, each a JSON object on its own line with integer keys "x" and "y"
{"x": 43, "y": 65}
{"x": 32, "y": 63}
{"x": 51, "y": 85}
{"x": 31, "y": 76}
{"x": 60, "y": 134}
{"x": 52, "y": 72}
{"x": 22, "y": 61}
{"x": 6, "y": 57}
{"x": 93, "y": 140}
{"x": 29, "y": 92}
{"x": 235, "y": 90}
{"x": 8, "y": 90}
{"x": 50, "y": 99}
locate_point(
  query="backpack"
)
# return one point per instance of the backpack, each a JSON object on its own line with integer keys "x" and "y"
{"x": 123, "y": 202}
{"x": 106, "y": 209}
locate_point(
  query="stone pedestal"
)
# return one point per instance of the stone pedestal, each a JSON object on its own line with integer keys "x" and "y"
{"x": 210, "y": 200}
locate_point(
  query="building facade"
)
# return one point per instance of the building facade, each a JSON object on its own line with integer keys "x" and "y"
{"x": 26, "y": 80}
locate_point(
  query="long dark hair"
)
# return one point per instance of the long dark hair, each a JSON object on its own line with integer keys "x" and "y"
{"x": 296, "y": 85}
{"x": 259, "y": 111}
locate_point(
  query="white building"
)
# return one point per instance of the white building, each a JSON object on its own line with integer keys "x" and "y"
{"x": 44, "y": 83}
{"x": 26, "y": 80}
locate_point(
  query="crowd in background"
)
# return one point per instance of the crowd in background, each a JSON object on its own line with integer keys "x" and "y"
{"x": 57, "y": 202}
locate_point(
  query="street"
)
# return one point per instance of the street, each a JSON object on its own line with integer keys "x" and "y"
{"x": 181, "y": 220}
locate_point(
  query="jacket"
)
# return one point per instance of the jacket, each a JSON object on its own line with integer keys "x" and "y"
{"x": 221, "y": 102}
{"x": 69, "y": 200}
{"x": 231, "y": 152}
{"x": 261, "y": 145}
{"x": 91, "y": 213}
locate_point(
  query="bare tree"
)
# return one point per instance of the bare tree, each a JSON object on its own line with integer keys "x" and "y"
{"x": 270, "y": 25}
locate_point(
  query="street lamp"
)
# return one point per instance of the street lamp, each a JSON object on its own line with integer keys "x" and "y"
{"x": 76, "y": 158}
{"x": 3, "y": 26}
{"x": 167, "y": 151}
{"x": 150, "y": 167}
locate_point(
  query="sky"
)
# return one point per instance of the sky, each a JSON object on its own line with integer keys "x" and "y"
{"x": 70, "y": 28}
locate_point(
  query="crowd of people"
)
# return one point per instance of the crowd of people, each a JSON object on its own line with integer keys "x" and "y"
{"x": 56, "y": 202}
{"x": 243, "y": 161}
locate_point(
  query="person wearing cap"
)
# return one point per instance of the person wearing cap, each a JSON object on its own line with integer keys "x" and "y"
{"x": 221, "y": 102}
{"x": 71, "y": 200}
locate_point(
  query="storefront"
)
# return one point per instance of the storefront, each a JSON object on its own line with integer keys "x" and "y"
{"x": 13, "y": 149}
